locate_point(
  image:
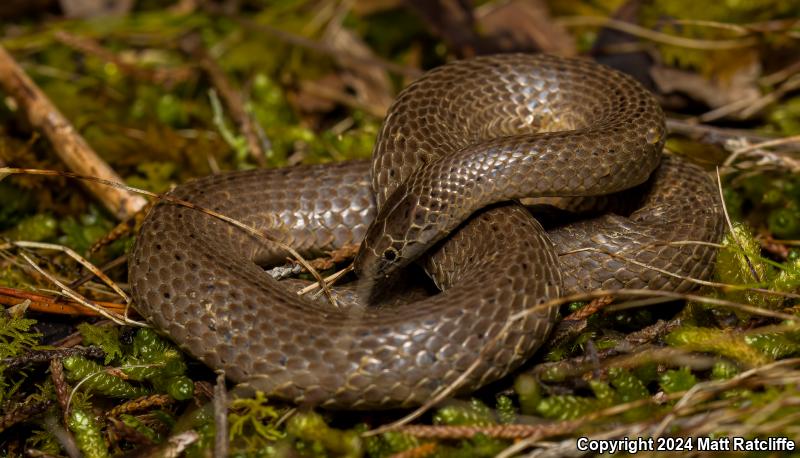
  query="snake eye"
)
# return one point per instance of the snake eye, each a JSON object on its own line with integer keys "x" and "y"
{"x": 390, "y": 254}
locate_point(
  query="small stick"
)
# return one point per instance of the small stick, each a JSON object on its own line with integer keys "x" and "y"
{"x": 46, "y": 304}
{"x": 220, "y": 417}
{"x": 42, "y": 356}
{"x": 83, "y": 261}
{"x": 68, "y": 144}
{"x": 232, "y": 98}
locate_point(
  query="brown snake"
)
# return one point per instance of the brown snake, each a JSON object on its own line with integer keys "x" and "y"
{"x": 457, "y": 147}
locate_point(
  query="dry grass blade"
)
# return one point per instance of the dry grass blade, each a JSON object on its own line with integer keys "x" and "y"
{"x": 734, "y": 236}
{"x": 329, "y": 280}
{"x": 47, "y": 304}
{"x": 220, "y": 416}
{"x": 737, "y": 153}
{"x": 653, "y": 35}
{"x": 69, "y": 292}
{"x": 83, "y": 261}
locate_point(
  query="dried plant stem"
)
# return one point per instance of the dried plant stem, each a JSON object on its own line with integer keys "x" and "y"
{"x": 653, "y": 35}
{"x": 46, "y": 304}
{"x": 230, "y": 96}
{"x": 68, "y": 144}
{"x": 72, "y": 294}
{"x": 220, "y": 417}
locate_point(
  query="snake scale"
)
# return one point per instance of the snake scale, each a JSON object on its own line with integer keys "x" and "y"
{"x": 457, "y": 150}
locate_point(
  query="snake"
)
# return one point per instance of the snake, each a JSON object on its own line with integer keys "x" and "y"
{"x": 456, "y": 280}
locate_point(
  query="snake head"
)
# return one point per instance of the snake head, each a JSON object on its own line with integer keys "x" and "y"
{"x": 397, "y": 237}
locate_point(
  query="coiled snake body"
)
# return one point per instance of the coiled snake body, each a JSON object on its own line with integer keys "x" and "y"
{"x": 457, "y": 147}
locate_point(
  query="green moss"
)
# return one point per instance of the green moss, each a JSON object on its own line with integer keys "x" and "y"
{"x": 673, "y": 381}
{"x": 529, "y": 393}
{"x": 740, "y": 263}
{"x": 476, "y": 413}
{"x": 784, "y": 118}
{"x": 784, "y": 223}
{"x": 316, "y": 435}
{"x": 717, "y": 341}
{"x": 565, "y": 407}
{"x": 254, "y": 422}
{"x": 141, "y": 427}
{"x": 94, "y": 377}
{"x": 105, "y": 337}
{"x": 629, "y": 388}
{"x": 16, "y": 337}
{"x": 87, "y": 434}
{"x": 153, "y": 176}
{"x": 153, "y": 359}
{"x": 723, "y": 370}
{"x": 81, "y": 233}
{"x": 506, "y": 412}
{"x": 34, "y": 228}
{"x": 388, "y": 444}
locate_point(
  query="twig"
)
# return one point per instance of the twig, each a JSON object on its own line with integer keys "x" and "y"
{"x": 344, "y": 98}
{"x": 751, "y": 105}
{"x": 67, "y": 142}
{"x": 220, "y": 417}
{"x": 711, "y": 134}
{"x": 329, "y": 280}
{"x": 794, "y": 139}
{"x": 116, "y": 262}
{"x": 707, "y": 389}
{"x": 193, "y": 45}
{"x": 653, "y": 35}
{"x": 81, "y": 260}
{"x": 23, "y": 412}
{"x": 121, "y": 431}
{"x": 45, "y": 304}
{"x": 173, "y": 447}
{"x": 43, "y": 356}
